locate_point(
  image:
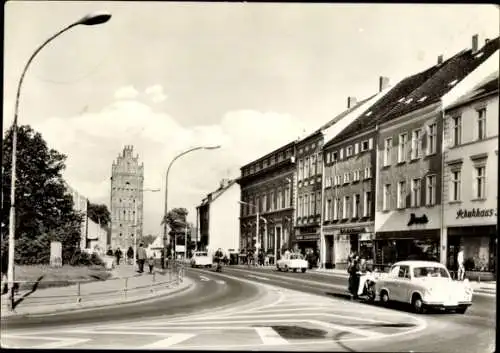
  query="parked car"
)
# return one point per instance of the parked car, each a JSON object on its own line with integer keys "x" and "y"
{"x": 292, "y": 262}
{"x": 423, "y": 284}
{"x": 201, "y": 259}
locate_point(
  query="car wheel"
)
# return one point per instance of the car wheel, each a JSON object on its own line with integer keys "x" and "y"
{"x": 286, "y": 268}
{"x": 418, "y": 304}
{"x": 461, "y": 310}
{"x": 294, "y": 270}
{"x": 303, "y": 270}
{"x": 278, "y": 268}
{"x": 384, "y": 297}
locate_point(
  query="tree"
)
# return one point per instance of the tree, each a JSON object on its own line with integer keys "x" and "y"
{"x": 99, "y": 214}
{"x": 148, "y": 239}
{"x": 44, "y": 210}
{"x": 176, "y": 220}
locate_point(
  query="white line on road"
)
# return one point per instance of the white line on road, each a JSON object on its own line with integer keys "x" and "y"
{"x": 169, "y": 342}
{"x": 220, "y": 281}
{"x": 269, "y": 336}
{"x": 329, "y": 326}
{"x": 258, "y": 277}
{"x": 205, "y": 279}
{"x": 63, "y": 343}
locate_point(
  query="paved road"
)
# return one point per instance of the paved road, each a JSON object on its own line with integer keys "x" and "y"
{"x": 290, "y": 314}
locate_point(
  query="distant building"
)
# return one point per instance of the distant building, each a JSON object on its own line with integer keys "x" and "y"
{"x": 218, "y": 216}
{"x": 80, "y": 203}
{"x": 127, "y": 179}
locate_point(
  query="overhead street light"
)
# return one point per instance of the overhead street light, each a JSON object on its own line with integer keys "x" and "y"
{"x": 166, "y": 193}
{"x": 92, "y": 19}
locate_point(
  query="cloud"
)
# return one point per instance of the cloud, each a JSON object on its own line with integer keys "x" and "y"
{"x": 155, "y": 93}
{"x": 93, "y": 140}
{"x": 126, "y": 92}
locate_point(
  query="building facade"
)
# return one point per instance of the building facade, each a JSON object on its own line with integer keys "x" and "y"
{"x": 80, "y": 204}
{"x": 409, "y": 209}
{"x": 308, "y": 197}
{"x": 220, "y": 212}
{"x": 471, "y": 180}
{"x": 267, "y": 191}
{"x": 127, "y": 182}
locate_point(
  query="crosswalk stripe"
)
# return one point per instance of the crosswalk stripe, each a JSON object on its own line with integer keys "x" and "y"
{"x": 63, "y": 343}
{"x": 170, "y": 341}
{"x": 269, "y": 336}
{"x": 330, "y": 326}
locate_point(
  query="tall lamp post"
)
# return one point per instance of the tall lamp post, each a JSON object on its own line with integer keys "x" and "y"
{"x": 166, "y": 192}
{"x": 136, "y": 225}
{"x": 92, "y": 19}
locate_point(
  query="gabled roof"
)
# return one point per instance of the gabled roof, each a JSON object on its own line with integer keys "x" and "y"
{"x": 369, "y": 117}
{"x": 487, "y": 87}
{"x": 448, "y": 76}
{"x": 211, "y": 197}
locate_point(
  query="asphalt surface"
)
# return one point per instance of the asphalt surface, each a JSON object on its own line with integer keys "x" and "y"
{"x": 262, "y": 309}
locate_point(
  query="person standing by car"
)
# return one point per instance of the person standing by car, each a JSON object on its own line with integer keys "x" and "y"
{"x": 141, "y": 257}
{"x": 460, "y": 262}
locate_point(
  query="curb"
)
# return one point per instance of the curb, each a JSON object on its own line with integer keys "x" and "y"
{"x": 90, "y": 307}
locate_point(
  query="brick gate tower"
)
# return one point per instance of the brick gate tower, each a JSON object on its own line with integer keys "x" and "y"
{"x": 127, "y": 178}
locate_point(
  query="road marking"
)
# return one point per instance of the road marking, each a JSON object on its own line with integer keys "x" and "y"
{"x": 330, "y": 326}
{"x": 258, "y": 277}
{"x": 220, "y": 281}
{"x": 270, "y": 337}
{"x": 169, "y": 342}
{"x": 64, "y": 343}
{"x": 205, "y": 279}
{"x": 131, "y": 331}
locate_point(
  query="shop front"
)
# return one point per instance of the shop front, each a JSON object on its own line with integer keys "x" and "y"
{"x": 355, "y": 239}
{"x": 308, "y": 244}
{"x": 475, "y": 230}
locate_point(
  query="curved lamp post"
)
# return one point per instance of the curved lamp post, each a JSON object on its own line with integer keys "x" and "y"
{"x": 92, "y": 19}
{"x": 166, "y": 193}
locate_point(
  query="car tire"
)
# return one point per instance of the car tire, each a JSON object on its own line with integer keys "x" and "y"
{"x": 294, "y": 270}
{"x": 384, "y": 297}
{"x": 417, "y": 304}
{"x": 461, "y": 310}
{"x": 286, "y": 268}
{"x": 278, "y": 268}
{"x": 303, "y": 270}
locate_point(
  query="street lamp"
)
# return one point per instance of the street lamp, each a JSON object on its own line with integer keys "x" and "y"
{"x": 166, "y": 191}
{"x": 257, "y": 222}
{"x": 136, "y": 225}
{"x": 92, "y": 19}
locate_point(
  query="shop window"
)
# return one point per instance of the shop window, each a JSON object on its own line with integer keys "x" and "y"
{"x": 480, "y": 182}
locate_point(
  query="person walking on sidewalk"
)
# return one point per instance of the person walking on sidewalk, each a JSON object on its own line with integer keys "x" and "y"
{"x": 141, "y": 257}
{"x": 130, "y": 255}
{"x": 461, "y": 267}
{"x": 118, "y": 255}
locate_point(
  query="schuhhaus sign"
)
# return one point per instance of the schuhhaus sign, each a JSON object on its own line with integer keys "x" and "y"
{"x": 476, "y": 212}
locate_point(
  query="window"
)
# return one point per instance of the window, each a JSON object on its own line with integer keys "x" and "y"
{"x": 257, "y": 204}
{"x": 300, "y": 210}
{"x": 416, "y": 193}
{"x": 455, "y": 185}
{"x": 306, "y": 206}
{"x": 368, "y": 172}
{"x": 386, "y": 196}
{"x": 355, "y": 175}
{"x": 348, "y": 151}
{"x": 402, "y": 147}
{"x": 456, "y": 130}
{"x": 346, "y": 207}
{"x": 387, "y": 151}
{"x": 430, "y": 196}
{"x": 328, "y": 182}
{"x": 364, "y": 146}
{"x": 288, "y": 201}
{"x": 404, "y": 272}
{"x": 306, "y": 167}
{"x": 328, "y": 210}
{"x": 480, "y": 182}
{"x": 279, "y": 200}
{"x": 319, "y": 163}
{"x": 273, "y": 206}
{"x": 432, "y": 139}
{"x": 367, "y": 204}
{"x": 264, "y": 203}
{"x": 312, "y": 200}
{"x": 312, "y": 171}
{"x": 346, "y": 178}
{"x": 335, "y": 156}
{"x": 401, "y": 194}
{"x": 341, "y": 153}
{"x": 338, "y": 180}
{"x": 356, "y": 205}
{"x": 356, "y": 148}
{"x": 328, "y": 156}
{"x": 318, "y": 202}
{"x": 336, "y": 208}
{"x": 481, "y": 123}
{"x": 301, "y": 169}
{"x": 416, "y": 144}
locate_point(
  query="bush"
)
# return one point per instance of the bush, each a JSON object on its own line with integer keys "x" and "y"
{"x": 81, "y": 258}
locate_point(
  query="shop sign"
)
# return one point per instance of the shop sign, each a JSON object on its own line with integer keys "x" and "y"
{"x": 307, "y": 237}
{"x": 476, "y": 212}
{"x": 417, "y": 220}
{"x": 354, "y": 230}
{"x": 366, "y": 237}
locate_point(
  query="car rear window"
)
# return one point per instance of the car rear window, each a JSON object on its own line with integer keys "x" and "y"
{"x": 201, "y": 254}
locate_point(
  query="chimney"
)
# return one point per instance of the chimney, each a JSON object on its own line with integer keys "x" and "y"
{"x": 440, "y": 59}
{"x": 383, "y": 83}
{"x": 475, "y": 43}
{"x": 351, "y": 102}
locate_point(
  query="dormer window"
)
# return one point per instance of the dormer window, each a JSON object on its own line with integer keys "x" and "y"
{"x": 422, "y": 99}
{"x": 401, "y": 100}
{"x": 369, "y": 113}
{"x": 409, "y": 101}
{"x": 453, "y": 83}
{"x": 478, "y": 55}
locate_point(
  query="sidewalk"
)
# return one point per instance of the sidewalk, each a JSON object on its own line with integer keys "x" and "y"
{"x": 117, "y": 289}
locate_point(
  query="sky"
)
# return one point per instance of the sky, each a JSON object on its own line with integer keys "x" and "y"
{"x": 251, "y": 77}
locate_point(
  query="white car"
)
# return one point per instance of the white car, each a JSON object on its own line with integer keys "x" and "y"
{"x": 423, "y": 284}
{"x": 292, "y": 262}
{"x": 201, "y": 259}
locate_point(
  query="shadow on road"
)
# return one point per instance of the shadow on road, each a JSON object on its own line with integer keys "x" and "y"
{"x": 27, "y": 294}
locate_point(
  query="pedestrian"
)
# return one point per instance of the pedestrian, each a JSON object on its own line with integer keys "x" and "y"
{"x": 118, "y": 255}
{"x": 130, "y": 255}
{"x": 141, "y": 257}
{"x": 460, "y": 262}
{"x": 353, "y": 277}
{"x": 109, "y": 252}
{"x": 151, "y": 263}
